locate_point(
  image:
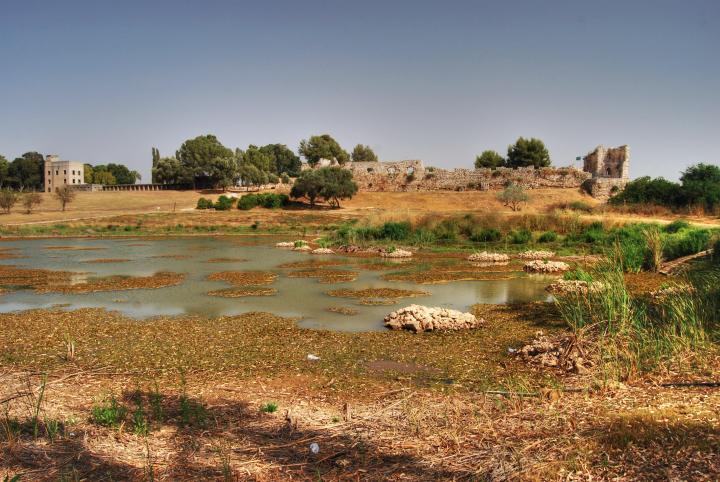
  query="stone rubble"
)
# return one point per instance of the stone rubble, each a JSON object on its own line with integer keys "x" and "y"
{"x": 303, "y": 247}
{"x": 488, "y": 257}
{"x": 538, "y": 266}
{"x": 530, "y": 254}
{"x": 285, "y": 244}
{"x": 565, "y": 287}
{"x": 559, "y": 352}
{"x": 398, "y": 253}
{"x": 418, "y": 318}
{"x": 322, "y": 251}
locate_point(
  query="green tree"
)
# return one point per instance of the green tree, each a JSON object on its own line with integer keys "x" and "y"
{"x": 322, "y": 147}
{"x": 363, "y": 153}
{"x": 4, "y": 171}
{"x": 283, "y": 159}
{"x": 329, "y": 183}
{"x": 26, "y": 171}
{"x": 104, "y": 177}
{"x": 88, "y": 174}
{"x": 257, "y": 157}
{"x": 169, "y": 170}
{"x": 197, "y": 155}
{"x": 700, "y": 185}
{"x": 528, "y": 152}
{"x": 221, "y": 172}
{"x": 513, "y": 196}
{"x": 489, "y": 159}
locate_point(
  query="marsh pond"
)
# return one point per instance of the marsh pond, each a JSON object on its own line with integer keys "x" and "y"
{"x": 216, "y": 276}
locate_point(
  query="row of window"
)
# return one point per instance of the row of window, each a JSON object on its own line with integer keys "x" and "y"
{"x": 57, "y": 172}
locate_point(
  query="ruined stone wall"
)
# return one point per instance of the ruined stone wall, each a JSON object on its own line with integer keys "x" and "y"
{"x": 413, "y": 176}
{"x": 610, "y": 170}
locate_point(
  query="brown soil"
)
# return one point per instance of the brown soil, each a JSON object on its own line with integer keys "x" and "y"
{"x": 244, "y": 278}
{"x": 433, "y": 276}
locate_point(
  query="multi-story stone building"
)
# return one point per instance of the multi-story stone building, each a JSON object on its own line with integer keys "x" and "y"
{"x": 62, "y": 173}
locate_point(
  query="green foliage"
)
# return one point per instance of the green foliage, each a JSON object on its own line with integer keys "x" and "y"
{"x": 513, "y": 196}
{"x": 27, "y": 172}
{"x": 168, "y": 170}
{"x": 329, "y": 183}
{"x": 646, "y": 190}
{"x": 322, "y": 147}
{"x": 528, "y": 152}
{"x": 104, "y": 177}
{"x": 685, "y": 242}
{"x": 485, "y": 235}
{"x": 204, "y": 204}
{"x": 270, "y": 407}
{"x": 447, "y": 230}
{"x": 192, "y": 412}
{"x": 578, "y": 274}
{"x": 224, "y": 203}
{"x": 676, "y": 226}
{"x": 266, "y": 200}
{"x": 282, "y": 160}
{"x": 395, "y": 231}
{"x": 548, "y": 237}
{"x": 490, "y": 159}
{"x": 202, "y": 157}
{"x": 363, "y": 153}
{"x": 520, "y": 236}
{"x": 140, "y": 424}
{"x": 109, "y": 414}
{"x": 701, "y": 186}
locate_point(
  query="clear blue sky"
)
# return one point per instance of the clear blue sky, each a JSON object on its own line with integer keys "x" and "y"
{"x": 103, "y": 81}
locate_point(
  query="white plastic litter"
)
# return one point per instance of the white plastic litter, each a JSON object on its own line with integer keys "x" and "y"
{"x": 312, "y": 357}
{"x": 314, "y": 448}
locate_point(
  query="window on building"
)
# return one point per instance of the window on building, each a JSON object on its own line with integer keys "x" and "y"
{"x": 65, "y": 171}
{"x": 65, "y": 180}
{"x": 49, "y": 172}
{"x": 57, "y": 172}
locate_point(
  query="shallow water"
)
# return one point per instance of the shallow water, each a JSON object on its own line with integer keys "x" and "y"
{"x": 303, "y": 298}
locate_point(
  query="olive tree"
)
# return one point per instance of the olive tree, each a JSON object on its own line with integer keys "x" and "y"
{"x": 30, "y": 200}
{"x": 8, "y": 199}
{"x": 65, "y": 195}
{"x": 322, "y": 147}
{"x": 513, "y": 197}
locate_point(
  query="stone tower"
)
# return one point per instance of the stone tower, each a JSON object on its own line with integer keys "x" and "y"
{"x": 610, "y": 171}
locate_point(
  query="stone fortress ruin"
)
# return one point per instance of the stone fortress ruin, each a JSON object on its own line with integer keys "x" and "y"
{"x": 605, "y": 170}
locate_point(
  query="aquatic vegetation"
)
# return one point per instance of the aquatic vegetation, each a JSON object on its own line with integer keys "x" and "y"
{"x": 391, "y": 293}
{"x": 243, "y": 278}
{"x": 325, "y": 275}
{"x": 244, "y": 291}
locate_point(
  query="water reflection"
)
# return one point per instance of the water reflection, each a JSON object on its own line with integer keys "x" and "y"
{"x": 297, "y": 297}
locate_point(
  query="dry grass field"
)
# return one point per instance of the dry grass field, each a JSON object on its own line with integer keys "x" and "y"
{"x": 178, "y": 207}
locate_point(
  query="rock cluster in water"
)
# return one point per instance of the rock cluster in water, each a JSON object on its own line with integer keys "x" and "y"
{"x": 564, "y": 287}
{"x": 419, "y": 318}
{"x": 322, "y": 251}
{"x": 285, "y": 244}
{"x": 485, "y": 257}
{"x": 531, "y": 254}
{"x": 398, "y": 253}
{"x": 538, "y": 266}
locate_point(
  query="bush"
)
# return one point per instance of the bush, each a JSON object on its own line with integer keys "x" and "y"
{"x": 447, "y": 230}
{"x": 266, "y": 200}
{"x": 248, "y": 201}
{"x": 580, "y": 206}
{"x": 110, "y": 414}
{"x": 686, "y": 242}
{"x": 485, "y": 235}
{"x": 204, "y": 204}
{"x": 578, "y": 274}
{"x": 676, "y": 226}
{"x": 548, "y": 237}
{"x": 395, "y": 231}
{"x": 224, "y": 203}
{"x": 520, "y": 236}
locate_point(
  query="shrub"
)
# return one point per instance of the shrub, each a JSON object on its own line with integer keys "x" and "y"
{"x": 676, "y": 226}
{"x": 485, "y": 235}
{"x": 273, "y": 201}
{"x": 447, "y": 230}
{"x": 204, "y": 204}
{"x": 248, "y": 201}
{"x": 548, "y": 237}
{"x": 269, "y": 407}
{"x": 520, "y": 236}
{"x": 578, "y": 274}
{"x": 8, "y": 199}
{"x": 395, "y": 231}
{"x": 685, "y": 242}
{"x": 224, "y": 203}
{"x": 580, "y": 206}
{"x": 513, "y": 197}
